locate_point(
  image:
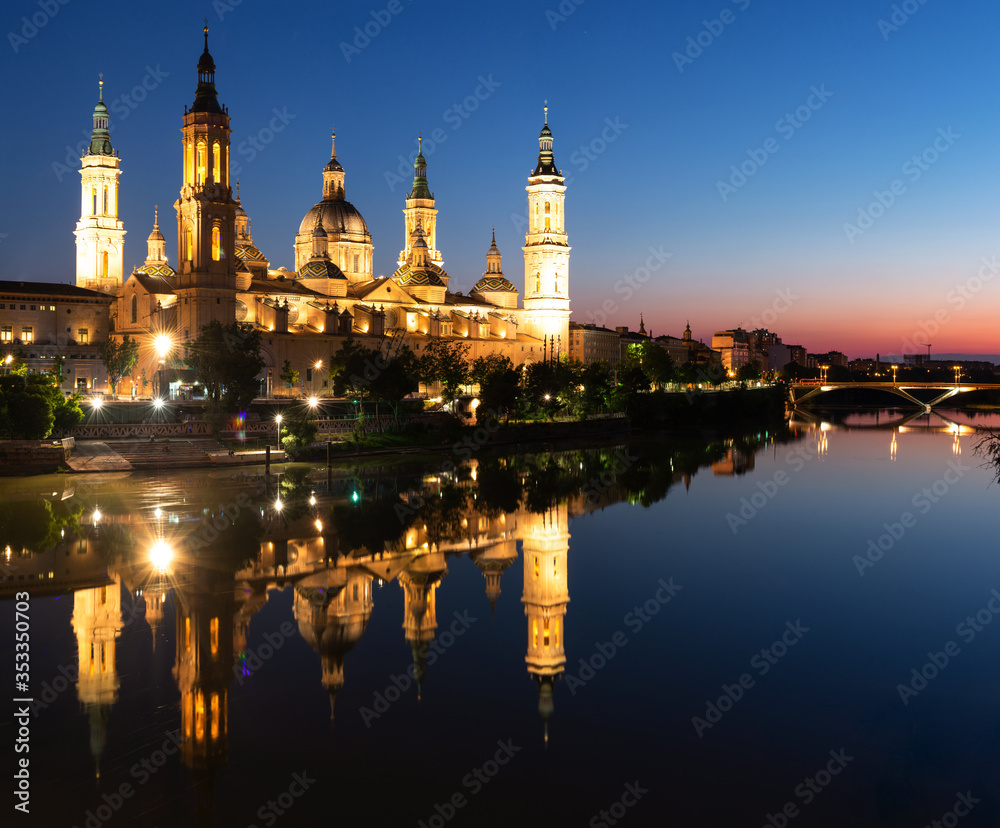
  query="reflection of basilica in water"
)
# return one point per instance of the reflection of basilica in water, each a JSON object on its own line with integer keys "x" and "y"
{"x": 334, "y": 543}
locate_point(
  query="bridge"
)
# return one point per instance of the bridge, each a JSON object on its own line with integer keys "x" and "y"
{"x": 802, "y": 390}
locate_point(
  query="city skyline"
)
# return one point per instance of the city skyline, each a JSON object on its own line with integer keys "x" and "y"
{"x": 857, "y": 125}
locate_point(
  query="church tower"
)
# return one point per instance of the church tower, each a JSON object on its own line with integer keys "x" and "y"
{"x": 420, "y": 210}
{"x": 100, "y": 234}
{"x": 206, "y": 212}
{"x": 546, "y": 249}
{"x": 545, "y": 545}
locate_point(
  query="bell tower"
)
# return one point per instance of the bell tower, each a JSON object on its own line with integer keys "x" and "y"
{"x": 546, "y": 249}
{"x": 420, "y": 211}
{"x": 100, "y": 234}
{"x": 206, "y": 212}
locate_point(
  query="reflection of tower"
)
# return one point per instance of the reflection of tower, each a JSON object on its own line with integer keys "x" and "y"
{"x": 545, "y": 544}
{"x": 155, "y": 596}
{"x": 332, "y": 621}
{"x": 419, "y": 581}
{"x": 203, "y": 670}
{"x": 492, "y": 562}
{"x": 97, "y": 615}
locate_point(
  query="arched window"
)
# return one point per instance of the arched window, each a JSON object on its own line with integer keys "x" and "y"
{"x": 200, "y": 168}
{"x": 357, "y": 261}
{"x": 547, "y": 208}
{"x": 216, "y": 163}
{"x": 104, "y": 265}
{"x": 188, "y": 161}
{"x": 93, "y": 200}
{"x": 557, "y": 284}
{"x": 105, "y": 199}
{"x": 189, "y": 244}
{"x": 135, "y": 309}
{"x": 538, "y": 283}
{"x": 216, "y": 243}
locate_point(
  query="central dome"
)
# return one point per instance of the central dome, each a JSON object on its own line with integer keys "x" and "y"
{"x": 336, "y": 217}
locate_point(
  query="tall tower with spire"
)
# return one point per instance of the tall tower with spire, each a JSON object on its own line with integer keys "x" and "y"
{"x": 206, "y": 212}
{"x": 546, "y": 249}
{"x": 420, "y": 210}
{"x": 100, "y": 234}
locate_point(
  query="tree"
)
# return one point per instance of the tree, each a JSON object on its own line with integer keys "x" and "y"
{"x": 396, "y": 378}
{"x": 119, "y": 358}
{"x": 749, "y": 372}
{"x": 26, "y": 405}
{"x": 289, "y": 376}
{"x": 446, "y": 363}
{"x": 226, "y": 360}
{"x": 499, "y": 385}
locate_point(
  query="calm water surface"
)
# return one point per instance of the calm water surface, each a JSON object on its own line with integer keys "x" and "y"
{"x": 673, "y": 632}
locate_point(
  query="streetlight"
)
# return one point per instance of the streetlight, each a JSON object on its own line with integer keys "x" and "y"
{"x": 316, "y": 367}
{"x": 162, "y": 343}
{"x": 277, "y": 419}
{"x": 823, "y": 369}
{"x": 894, "y": 369}
{"x": 958, "y": 373}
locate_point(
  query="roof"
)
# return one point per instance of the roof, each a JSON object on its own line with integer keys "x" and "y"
{"x": 282, "y": 287}
{"x": 51, "y": 289}
{"x": 152, "y": 284}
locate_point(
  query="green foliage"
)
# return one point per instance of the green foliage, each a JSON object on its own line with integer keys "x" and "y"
{"x": 499, "y": 385}
{"x": 28, "y": 403}
{"x": 749, "y": 372}
{"x": 289, "y": 376}
{"x": 119, "y": 358}
{"x": 226, "y": 360}
{"x": 652, "y": 360}
{"x": 298, "y": 431}
{"x": 446, "y": 363}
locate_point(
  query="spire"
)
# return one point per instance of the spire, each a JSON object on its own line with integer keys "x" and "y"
{"x": 100, "y": 138}
{"x": 493, "y": 258}
{"x": 420, "y": 188}
{"x": 546, "y": 160}
{"x": 206, "y": 98}
{"x": 642, "y": 326}
{"x": 333, "y": 174}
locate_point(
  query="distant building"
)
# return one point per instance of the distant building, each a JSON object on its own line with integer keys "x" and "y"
{"x": 829, "y": 358}
{"x": 734, "y": 346}
{"x": 780, "y": 355}
{"x": 45, "y": 321}
{"x": 688, "y": 349}
{"x": 592, "y": 343}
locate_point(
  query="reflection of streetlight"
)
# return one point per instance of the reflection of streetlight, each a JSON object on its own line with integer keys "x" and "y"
{"x": 161, "y": 555}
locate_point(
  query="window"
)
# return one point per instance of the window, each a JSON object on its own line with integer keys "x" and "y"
{"x": 27, "y": 334}
{"x": 216, "y": 163}
{"x": 189, "y": 244}
{"x": 200, "y": 170}
{"x": 105, "y": 199}
{"x": 22, "y": 307}
{"x": 357, "y": 260}
{"x": 2, "y": 306}
{"x": 93, "y": 200}
{"x": 83, "y": 336}
{"x": 7, "y": 334}
{"x": 309, "y": 374}
{"x": 51, "y": 307}
{"x": 32, "y": 307}
{"x": 135, "y": 309}
{"x": 104, "y": 265}
{"x": 216, "y": 242}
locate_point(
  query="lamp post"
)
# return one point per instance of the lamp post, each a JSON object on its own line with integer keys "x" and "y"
{"x": 894, "y": 368}
{"x": 958, "y": 373}
{"x": 316, "y": 369}
{"x": 822, "y": 376}
{"x": 163, "y": 343}
{"x": 277, "y": 419}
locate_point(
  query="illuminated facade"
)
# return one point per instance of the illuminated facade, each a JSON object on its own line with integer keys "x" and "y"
{"x": 332, "y": 290}
{"x": 100, "y": 234}
{"x": 546, "y": 249}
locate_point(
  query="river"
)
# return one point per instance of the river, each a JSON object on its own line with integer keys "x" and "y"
{"x": 788, "y": 628}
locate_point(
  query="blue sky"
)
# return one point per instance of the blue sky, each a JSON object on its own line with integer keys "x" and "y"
{"x": 645, "y": 137}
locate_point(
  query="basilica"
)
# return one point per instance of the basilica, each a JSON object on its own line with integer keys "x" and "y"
{"x": 220, "y": 274}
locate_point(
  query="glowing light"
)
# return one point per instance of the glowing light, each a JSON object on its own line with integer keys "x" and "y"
{"x": 161, "y": 555}
{"x": 163, "y": 343}
{"x": 96, "y": 402}
{"x": 278, "y": 504}
{"x": 97, "y": 516}
{"x": 157, "y": 403}
{"x": 312, "y": 500}
{"x": 158, "y": 512}
{"x": 319, "y": 364}
{"x": 319, "y": 526}
{"x": 277, "y": 419}
{"x": 313, "y": 402}
{"x": 355, "y": 497}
